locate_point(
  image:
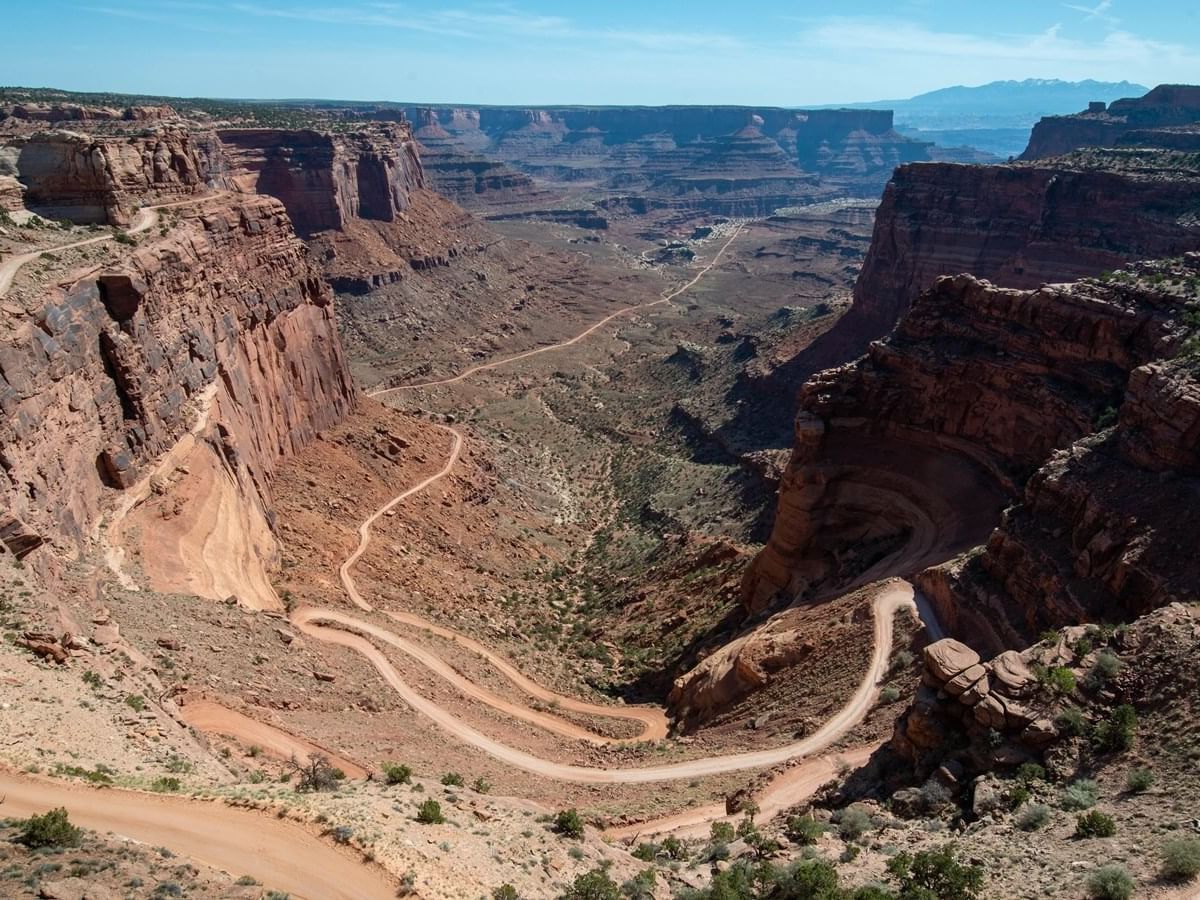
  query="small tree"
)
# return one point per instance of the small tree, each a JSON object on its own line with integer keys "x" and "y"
{"x": 568, "y": 823}
{"x": 395, "y": 773}
{"x": 935, "y": 873}
{"x": 51, "y": 829}
{"x": 593, "y": 885}
{"x": 1094, "y": 824}
{"x": 1181, "y": 858}
{"x": 1115, "y": 734}
{"x": 1111, "y": 882}
{"x": 430, "y": 813}
{"x": 316, "y": 774}
{"x": 803, "y": 830}
{"x": 1138, "y": 781}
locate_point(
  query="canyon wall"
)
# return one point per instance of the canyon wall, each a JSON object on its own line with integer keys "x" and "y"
{"x": 1130, "y": 121}
{"x": 1017, "y": 226}
{"x": 66, "y": 175}
{"x": 222, "y": 331}
{"x": 907, "y": 456}
{"x": 327, "y": 179}
{"x": 1101, "y": 532}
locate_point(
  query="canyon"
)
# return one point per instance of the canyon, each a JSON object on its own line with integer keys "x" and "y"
{"x": 569, "y": 450}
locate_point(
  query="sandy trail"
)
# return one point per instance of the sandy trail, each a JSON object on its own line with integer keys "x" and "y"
{"x": 666, "y": 298}
{"x": 216, "y": 719}
{"x": 280, "y": 854}
{"x": 145, "y": 219}
{"x": 892, "y": 596}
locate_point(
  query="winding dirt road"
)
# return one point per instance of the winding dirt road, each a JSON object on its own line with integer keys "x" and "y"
{"x": 145, "y": 219}
{"x": 474, "y": 370}
{"x": 280, "y": 854}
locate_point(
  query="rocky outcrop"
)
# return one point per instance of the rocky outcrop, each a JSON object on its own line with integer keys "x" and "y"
{"x": 913, "y": 450}
{"x": 65, "y": 175}
{"x": 223, "y": 329}
{"x": 1017, "y": 226}
{"x": 1099, "y": 532}
{"x": 69, "y": 112}
{"x": 1131, "y": 121}
{"x": 324, "y": 179}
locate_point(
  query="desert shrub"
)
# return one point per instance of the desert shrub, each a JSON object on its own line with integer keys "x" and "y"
{"x": 51, "y": 829}
{"x": 646, "y": 852}
{"x": 853, "y": 823}
{"x": 721, "y": 831}
{"x": 803, "y": 830}
{"x": 1060, "y": 679}
{"x": 1080, "y": 794}
{"x": 342, "y": 834}
{"x": 315, "y": 775}
{"x": 673, "y": 848}
{"x": 1139, "y": 780}
{"x": 640, "y": 886}
{"x": 1115, "y": 734}
{"x": 481, "y": 786}
{"x": 1094, "y": 824}
{"x": 889, "y": 694}
{"x": 593, "y": 885}
{"x": 167, "y": 784}
{"x": 1103, "y": 670}
{"x": 1070, "y": 721}
{"x": 430, "y": 813}
{"x": 395, "y": 773}
{"x": 453, "y": 779}
{"x": 1018, "y": 796}
{"x": 1033, "y": 817}
{"x": 806, "y": 878}
{"x": 1111, "y": 882}
{"x": 136, "y": 702}
{"x": 1028, "y": 773}
{"x": 568, "y": 823}
{"x": 935, "y": 873}
{"x": 124, "y": 237}
{"x": 1181, "y": 858}
{"x": 505, "y": 892}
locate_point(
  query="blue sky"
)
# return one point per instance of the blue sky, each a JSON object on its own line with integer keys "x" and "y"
{"x": 611, "y": 51}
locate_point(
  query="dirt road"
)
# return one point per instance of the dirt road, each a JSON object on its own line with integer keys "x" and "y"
{"x": 145, "y": 219}
{"x": 474, "y": 370}
{"x": 280, "y": 854}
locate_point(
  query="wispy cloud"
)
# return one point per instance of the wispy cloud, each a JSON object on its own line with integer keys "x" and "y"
{"x": 159, "y": 18}
{"x": 1099, "y": 11}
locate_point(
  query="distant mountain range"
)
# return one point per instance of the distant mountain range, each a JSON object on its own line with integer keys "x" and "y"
{"x": 997, "y": 116}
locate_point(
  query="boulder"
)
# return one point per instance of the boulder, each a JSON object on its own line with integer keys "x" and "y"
{"x": 949, "y": 657}
{"x": 1011, "y": 676}
{"x": 964, "y": 680}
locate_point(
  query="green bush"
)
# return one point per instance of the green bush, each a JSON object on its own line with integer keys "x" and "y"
{"x": 853, "y": 823}
{"x": 1033, "y": 817}
{"x": 568, "y": 823}
{"x": 935, "y": 873}
{"x": 505, "y": 892}
{"x": 1094, "y": 824}
{"x": 804, "y": 830}
{"x": 395, "y": 773}
{"x": 673, "y": 848}
{"x": 1061, "y": 679}
{"x": 166, "y": 784}
{"x": 1115, "y": 734}
{"x": 481, "y": 786}
{"x": 646, "y": 852}
{"x": 1138, "y": 781}
{"x": 721, "y": 831}
{"x": 1030, "y": 772}
{"x": 1104, "y": 669}
{"x": 1081, "y": 794}
{"x": 51, "y": 829}
{"x": 1181, "y": 858}
{"x": 453, "y": 779}
{"x": 593, "y": 885}
{"x": 430, "y": 813}
{"x": 889, "y": 694}
{"x": 1071, "y": 721}
{"x": 640, "y": 886}
{"x": 1111, "y": 882}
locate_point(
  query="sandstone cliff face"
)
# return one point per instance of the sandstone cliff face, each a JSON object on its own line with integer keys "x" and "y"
{"x": 1102, "y": 531}
{"x": 222, "y": 328}
{"x": 911, "y": 453}
{"x": 100, "y": 179}
{"x": 1017, "y": 226}
{"x": 326, "y": 180}
{"x": 1163, "y": 107}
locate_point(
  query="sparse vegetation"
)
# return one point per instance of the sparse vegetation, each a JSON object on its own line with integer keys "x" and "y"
{"x": 315, "y": 775}
{"x": 1033, "y": 816}
{"x": 935, "y": 874}
{"x": 453, "y": 779}
{"x": 1116, "y": 733}
{"x": 51, "y": 829}
{"x": 430, "y": 813}
{"x": 395, "y": 773}
{"x": 593, "y": 885}
{"x": 1094, "y": 824}
{"x": 1181, "y": 858}
{"x": 505, "y": 892}
{"x": 568, "y": 823}
{"x": 803, "y": 830}
{"x": 1111, "y": 882}
{"x": 1139, "y": 780}
{"x": 1081, "y": 794}
{"x": 853, "y": 823}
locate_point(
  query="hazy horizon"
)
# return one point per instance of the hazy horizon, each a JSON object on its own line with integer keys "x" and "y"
{"x": 701, "y": 53}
